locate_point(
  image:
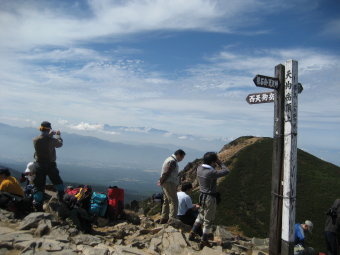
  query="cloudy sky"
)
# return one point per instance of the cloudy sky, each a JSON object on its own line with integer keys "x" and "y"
{"x": 180, "y": 66}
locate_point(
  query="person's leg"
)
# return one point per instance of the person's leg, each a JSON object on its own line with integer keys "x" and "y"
{"x": 173, "y": 201}
{"x": 39, "y": 186}
{"x": 331, "y": 243}
{"x": 189, "y": 217}
{"x": 53, "y": 174}
{"x": 209, "y": 217}
{"x": 197, "y": 227}
{"x": 165, "y": 205}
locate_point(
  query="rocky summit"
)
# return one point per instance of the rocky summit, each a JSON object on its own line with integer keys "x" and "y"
{"x": 43, "y": 233}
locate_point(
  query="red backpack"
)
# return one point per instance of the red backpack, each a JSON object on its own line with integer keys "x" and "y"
{"x": 115, "y": 198}
{"x": 72, "y": 191}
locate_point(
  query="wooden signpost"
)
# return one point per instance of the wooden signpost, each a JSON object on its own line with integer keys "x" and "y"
{"x": 286, "y": 89}
{"x": 290, "y": 157}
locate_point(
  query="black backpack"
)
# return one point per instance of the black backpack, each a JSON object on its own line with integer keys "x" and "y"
{"x": 332, "y": 212}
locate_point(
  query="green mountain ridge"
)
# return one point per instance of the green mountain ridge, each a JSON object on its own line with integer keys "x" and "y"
{"x": 246, "y": 191}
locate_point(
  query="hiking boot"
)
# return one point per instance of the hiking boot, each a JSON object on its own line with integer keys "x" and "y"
{"x": 192, "y": 236}
{"x": 210, "y": 236}
{"x": 203, "y": 244}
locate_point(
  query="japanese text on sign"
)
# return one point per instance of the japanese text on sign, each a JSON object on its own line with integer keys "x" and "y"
{"x": 258, "y": 98}
{"x": 266, "y": 82}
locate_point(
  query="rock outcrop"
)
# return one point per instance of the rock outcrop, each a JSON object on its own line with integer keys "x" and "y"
{"x": 42, "y": 233}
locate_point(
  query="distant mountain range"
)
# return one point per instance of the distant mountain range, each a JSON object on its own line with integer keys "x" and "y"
{"x": 86, "y": 159}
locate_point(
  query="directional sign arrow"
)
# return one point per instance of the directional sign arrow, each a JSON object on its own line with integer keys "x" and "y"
{"x": 266, "y": 82}
{"x": 260, "y": 98}
{"x": 300, "y": 88}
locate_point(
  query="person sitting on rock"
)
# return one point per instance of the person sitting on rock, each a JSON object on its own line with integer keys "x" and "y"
{"x": 207, "y": 178}
{"x": 28, "y": 177}
{"x": 300, "y": 235}
{"x": 9, "y": 183}
{"x": 12, "y": 195}
{"x": 187, "y": 211}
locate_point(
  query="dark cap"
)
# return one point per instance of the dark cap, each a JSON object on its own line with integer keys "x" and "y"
{"x": 46, "y": 124}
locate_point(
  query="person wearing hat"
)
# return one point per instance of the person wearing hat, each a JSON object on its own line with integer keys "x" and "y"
{"x": 207, "y": 176}
{"x": 28, "y": 176}
{"x": 9, "y": 183}
{"x": 45, "y": 157}
{"x": 300, "y": 235}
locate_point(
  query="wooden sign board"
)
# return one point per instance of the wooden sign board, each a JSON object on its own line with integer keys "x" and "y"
{"x": 260, "y": 98}
{"x": 266, "y": 82}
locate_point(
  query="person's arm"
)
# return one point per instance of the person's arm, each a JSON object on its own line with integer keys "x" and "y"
{"x": 170, "y": 167}
{"x": 57, "y": 140}
{"x": 299, "y": 236}
{"x": 220, "y": 173}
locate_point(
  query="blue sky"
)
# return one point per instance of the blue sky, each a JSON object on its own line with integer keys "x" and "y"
{"x": 180, "y": 66}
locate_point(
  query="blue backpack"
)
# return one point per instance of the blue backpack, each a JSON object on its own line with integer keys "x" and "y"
{"x": 98, "y": 204}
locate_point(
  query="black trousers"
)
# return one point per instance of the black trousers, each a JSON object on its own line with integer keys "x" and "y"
{"x": 189, "y": 218}
{"x": 43, "y": 170}
{"x": 332, "y": 243}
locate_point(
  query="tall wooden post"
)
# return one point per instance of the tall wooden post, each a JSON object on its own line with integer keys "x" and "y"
{"x": 290, "y": 157}
{"x": 276, "y": 202}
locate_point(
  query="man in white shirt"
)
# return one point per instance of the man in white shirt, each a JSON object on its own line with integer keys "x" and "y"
{"x": 187, "y": 212}
{"x": 169, "y": 183}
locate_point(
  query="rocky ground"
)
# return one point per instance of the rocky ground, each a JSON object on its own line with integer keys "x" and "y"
{"x": 42, "y": 233}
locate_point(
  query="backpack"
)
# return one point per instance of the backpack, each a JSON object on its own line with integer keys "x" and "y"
{"x": 98, "y": 204}
{"x": 332, "y": 212}
{"x": 116, "y": 201}
{"x": 157, "y": 197}
{"x": 80, "y": 196}
{"x": 18, "y": 205}
{"x": 72, "y": 191}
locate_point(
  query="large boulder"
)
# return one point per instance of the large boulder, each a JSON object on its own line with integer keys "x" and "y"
{"x": 32, "y": 220}
{"x": 173, "y": 242}
{"x": 58, "y": 234}
{"x": 44, "y": 227}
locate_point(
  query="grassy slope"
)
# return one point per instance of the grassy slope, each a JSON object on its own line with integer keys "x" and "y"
{"x": 246, "y": 191}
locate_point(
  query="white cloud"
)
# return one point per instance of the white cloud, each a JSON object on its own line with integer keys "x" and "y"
{"x": 27, "y": 24}
{"x": 49, "y": 67}
{"x": 87, "y": 126}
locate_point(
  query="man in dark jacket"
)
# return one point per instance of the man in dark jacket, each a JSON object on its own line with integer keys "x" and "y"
{"x": 45, "y": 156}
{"x": 332, "y": 228}
{"x": 207, "y": 178}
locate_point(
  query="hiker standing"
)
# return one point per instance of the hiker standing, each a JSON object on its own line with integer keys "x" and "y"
{"x": 300, "y": 235}
{"x": 45, "y": 156}
{"x": 169, "y": 183}
{"x": 207, "y": 177}
{"x": 332, "y": 228}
